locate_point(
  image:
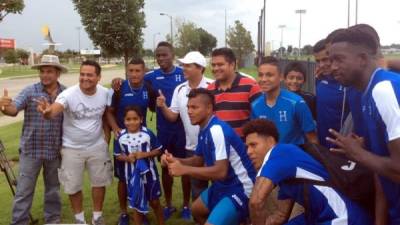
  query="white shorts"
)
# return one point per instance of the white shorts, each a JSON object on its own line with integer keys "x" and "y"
{"x": 74, "y": 161}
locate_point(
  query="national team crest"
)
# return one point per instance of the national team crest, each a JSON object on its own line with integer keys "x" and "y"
{"x": 178, "y": 78}
{"x": 283, "y": 116}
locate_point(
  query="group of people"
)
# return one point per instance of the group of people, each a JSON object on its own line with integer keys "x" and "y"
{"x": 234, "y": 141}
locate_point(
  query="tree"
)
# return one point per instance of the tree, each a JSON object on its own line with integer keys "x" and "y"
{"x": 188, "y": 38}
{"x": 10, "y": 56}
{"x": 69, "y": 53}
{"x": 307, "y": 50}
{"x": 239, "y": 40}
{"x": 148, "y": 53}
{"x": 282, "y": 51}
{"x": 10, "y": 6}
{"x": 114, "y": 26}
{"x": 192, "y": 38}
{"x": 207, "y": 41}
{"x": 290, "y": 50}
{"x": 22, "y": 53}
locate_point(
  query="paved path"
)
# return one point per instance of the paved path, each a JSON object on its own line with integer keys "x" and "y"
{"x": 15, "y": 85}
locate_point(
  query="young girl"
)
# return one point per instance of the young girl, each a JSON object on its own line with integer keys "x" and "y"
{"x": 137, "y": 147}
{"x": 295, "y": 76}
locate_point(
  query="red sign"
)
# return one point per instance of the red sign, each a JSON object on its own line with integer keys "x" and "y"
{"x": 7, "y": 43}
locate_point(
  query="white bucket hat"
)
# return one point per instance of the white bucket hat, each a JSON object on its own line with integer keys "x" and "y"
{"x": 50, "y": 60}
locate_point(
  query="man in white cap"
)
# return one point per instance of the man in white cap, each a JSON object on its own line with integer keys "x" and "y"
{"x": 40, "y": 142}
{"x": 194, "y": 65}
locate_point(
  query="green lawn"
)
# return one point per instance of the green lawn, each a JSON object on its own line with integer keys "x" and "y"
{"x": 10, "y": 137}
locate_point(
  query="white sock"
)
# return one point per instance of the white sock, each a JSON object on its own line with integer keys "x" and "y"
{"x": 80, "y": 216}
{"x": 96, "y": 215}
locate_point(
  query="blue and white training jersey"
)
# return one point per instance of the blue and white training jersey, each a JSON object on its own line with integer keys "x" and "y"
{"x": 144, "y": 141}
{"x": 218, "y": 141}
{"x": 166, "y": 82}
{"x": 326, "y": 206}
{"x": 381, "y": 114}
{"x": 329, "y": 99}
{"x": 130, "y": 96}
{"x": 290, "y": 114}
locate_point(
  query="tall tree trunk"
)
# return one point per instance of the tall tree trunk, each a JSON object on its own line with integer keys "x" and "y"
{"x": 126, "y": 58}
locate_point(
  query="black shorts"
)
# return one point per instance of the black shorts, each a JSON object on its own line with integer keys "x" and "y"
{"x": 174, "y": 142}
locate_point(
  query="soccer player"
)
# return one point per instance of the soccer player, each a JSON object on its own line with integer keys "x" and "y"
{"x": 194, "y": 65}
{"x": 171, "y": 134}
{"x": 136, "y": 148}
{"x": 287, "y": 110}
{"x": 353, "y": 55}
{"x": 330, "y": 95}
{"x": 233, "y": 92}
{"x": 295, "y": 76}
{"x": 220, "y": 157}
{"x": 133, "y": 91}
{"x": 277, "y": 164}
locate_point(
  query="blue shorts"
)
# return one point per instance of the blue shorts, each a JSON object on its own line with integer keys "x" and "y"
{"x": 152, "y": 191}
{"x": 152, "y": 188}
{"x": 226, "y": 211}
{"x": 174, "y": 142}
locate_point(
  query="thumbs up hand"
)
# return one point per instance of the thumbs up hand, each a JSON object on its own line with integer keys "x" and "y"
{"x": 5, "y": 100}
{"x": 161, "y": 100}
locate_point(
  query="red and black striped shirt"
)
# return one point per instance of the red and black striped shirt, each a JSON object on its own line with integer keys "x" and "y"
{"x": 233, "y": 105}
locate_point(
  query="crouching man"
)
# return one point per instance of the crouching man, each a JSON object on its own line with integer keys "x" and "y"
{"x": 277, "y": 164}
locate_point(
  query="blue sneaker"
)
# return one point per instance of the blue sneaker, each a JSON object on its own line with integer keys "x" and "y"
{"x": 186, "y": 213}
{"x": 123, "y": 219}
{"x": 168, "y": 212}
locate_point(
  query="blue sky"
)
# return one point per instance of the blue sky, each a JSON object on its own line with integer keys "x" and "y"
{"x": 322, "y": 17}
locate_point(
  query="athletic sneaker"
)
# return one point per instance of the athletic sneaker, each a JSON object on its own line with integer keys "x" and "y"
{"x": 168, "y": 212}
{"x": 99, "y": 221}
{"x": 186, "y": 213}
{"x": 123, "y": 219}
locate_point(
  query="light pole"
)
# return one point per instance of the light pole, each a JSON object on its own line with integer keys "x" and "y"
{"x": 79, "y": 41}
{"x": 264, "y": 26}
{"x": 225, "y": 28}
{"x": 281, "y": 45}
{"x": 172, "y": 33}
{"x": 348, "y": 13}
{"x": 154, "y": 47}
{"x": 300, "y": 11}
{"x": 356, "y": 11}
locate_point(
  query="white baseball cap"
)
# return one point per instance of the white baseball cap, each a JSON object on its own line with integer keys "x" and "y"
{"x": 194, "y": 57}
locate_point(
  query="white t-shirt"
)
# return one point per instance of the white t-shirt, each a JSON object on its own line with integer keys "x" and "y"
{"x": 110, "y": 96}
{"x": 179, "y": 105}
{"x": 83, "y": 124}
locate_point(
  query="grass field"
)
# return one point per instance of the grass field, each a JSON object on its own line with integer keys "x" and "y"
{"x": 10, "y": 137}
